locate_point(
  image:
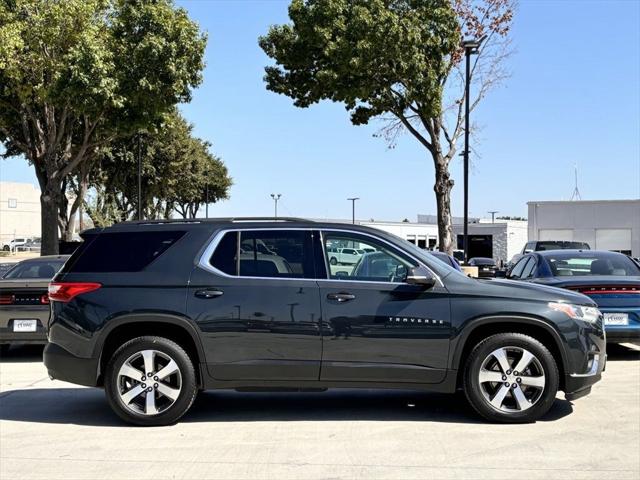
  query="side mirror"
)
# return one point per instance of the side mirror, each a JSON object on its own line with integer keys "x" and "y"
{"x": 420, "y": 276}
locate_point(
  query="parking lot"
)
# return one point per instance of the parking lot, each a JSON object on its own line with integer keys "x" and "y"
{"x": 50, "y": 429}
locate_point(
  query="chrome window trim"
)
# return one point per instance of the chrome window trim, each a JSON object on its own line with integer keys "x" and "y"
{"x": 208, "y": 252}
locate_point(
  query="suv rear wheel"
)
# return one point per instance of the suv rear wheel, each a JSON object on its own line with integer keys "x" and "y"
{"x": 511, "y": 378}
{"x": 150, "y": 381}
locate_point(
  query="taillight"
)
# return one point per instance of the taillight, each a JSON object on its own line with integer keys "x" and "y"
{"x": 7, "y": 299}
{"x": 64, "y": 292}
{"x": 44, "y": 299}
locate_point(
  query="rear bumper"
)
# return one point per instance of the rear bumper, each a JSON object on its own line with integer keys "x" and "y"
{"x": 622, "y": 334}
{"x": 65, "y": 366}
{"x": 27, "y": 312}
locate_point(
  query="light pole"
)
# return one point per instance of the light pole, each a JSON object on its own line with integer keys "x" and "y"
{"x": 276, "y": 197}
{"x": 493, "y": 214}
{"x": 206, "y": 200}
{"x": 471, "y": 47}
{"x": 353, "y": 208}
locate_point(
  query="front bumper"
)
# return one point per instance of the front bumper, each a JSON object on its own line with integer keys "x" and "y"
{"x": 63, "y": 365}
{"x": 578, "y": 385}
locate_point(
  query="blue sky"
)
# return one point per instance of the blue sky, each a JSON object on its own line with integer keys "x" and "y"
{"x": 573, "y": 97}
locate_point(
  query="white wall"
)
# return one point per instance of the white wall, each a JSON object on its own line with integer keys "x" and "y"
{"x": 19, "y": 211}
{"x": 407, "y": 231}
{"x": 603, "y": 224}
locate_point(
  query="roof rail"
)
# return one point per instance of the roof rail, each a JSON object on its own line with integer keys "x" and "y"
{"x": 269, "y": 219}
{"x": 218, "y": 219}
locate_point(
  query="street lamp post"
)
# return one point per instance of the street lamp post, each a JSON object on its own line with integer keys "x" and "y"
{"x": 471, "y": 47}
{"x": 206, "y": 200}
{"x": 353, "y": 208}
{"x": 276, "y": 197}
{"x": 493, "y": 215}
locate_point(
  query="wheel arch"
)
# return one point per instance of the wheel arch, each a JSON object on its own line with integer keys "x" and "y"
{"x": 121, "y": 329}
{"x": 484, "y": 327}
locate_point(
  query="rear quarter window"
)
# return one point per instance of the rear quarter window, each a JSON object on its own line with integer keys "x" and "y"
{"x": 122, "y": 251}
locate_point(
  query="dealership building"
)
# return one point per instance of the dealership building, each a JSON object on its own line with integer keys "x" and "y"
{"x": 603, "y": 224}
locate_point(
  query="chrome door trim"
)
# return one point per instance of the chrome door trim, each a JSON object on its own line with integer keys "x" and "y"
{"x": 203, "y": 262}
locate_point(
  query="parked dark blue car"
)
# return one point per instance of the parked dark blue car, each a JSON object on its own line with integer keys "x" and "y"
{"x": 611, "y": 279}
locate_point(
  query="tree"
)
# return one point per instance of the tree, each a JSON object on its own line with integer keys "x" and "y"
{"x": 76, "y": 74}
{"x": 201, "y": 178}
{"x": 177, "y": 168}
{"x": 398, "y": 60}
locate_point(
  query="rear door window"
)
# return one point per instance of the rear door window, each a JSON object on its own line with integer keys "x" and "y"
{"x": 266, "y": 253}
{"x": 123, "y": 251}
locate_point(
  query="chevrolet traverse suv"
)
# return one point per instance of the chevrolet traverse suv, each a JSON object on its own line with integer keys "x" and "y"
{"x": 156, "y": 311}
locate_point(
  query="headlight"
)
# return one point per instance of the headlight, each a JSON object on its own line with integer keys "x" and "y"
{"x": 577, "y": 312}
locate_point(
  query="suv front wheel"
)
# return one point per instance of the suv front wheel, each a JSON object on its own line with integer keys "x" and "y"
{"x": 511, "y": 378}
{"x": 150, "y": 381}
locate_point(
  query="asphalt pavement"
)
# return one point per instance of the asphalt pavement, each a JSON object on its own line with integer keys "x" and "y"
{"x": 55, "y": 430}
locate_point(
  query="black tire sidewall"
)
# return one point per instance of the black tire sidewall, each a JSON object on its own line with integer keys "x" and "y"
{"x": 474, "y": 363}
{"x": 187, "y": 372}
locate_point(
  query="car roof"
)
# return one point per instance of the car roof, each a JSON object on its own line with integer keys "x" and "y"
{"x": 230, "y": 223}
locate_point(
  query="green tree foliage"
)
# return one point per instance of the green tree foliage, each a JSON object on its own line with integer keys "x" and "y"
{"x": 76, "y": 74}
{"x": 391, "y": 59}
{"x": 177, "y": 170}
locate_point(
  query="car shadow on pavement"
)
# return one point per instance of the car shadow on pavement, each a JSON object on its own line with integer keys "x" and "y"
{"x": 624, "y": 352}
{"x": 23, "y": 354}
{"x": 88, "y": 407}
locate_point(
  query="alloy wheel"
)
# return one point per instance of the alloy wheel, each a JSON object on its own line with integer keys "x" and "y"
{"x": 149, "y": 382}
{"x": 511, "y": 379}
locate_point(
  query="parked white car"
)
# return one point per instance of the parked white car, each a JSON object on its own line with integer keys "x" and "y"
{"x": 13, "y": 244}
{"x": 344, "y": 256}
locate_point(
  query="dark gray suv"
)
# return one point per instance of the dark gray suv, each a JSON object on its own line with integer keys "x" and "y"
{"x": 156, "y": 311}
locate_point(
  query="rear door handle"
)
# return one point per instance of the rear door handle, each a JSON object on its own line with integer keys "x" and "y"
{"x": 341, "y": 297}
{"x": 209, "y": 293}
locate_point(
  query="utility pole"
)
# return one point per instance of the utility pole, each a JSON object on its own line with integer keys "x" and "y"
{"x": 276, "y": 197}
{"x": 493, "y": 213}
{"x": 353, "y": 208}
{"x": 139, "y": 181}
{"x": 471, "y": 47}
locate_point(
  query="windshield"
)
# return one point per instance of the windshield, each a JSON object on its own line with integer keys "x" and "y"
{"x": 579, "y": 264}
{"x": 46, "y": 270}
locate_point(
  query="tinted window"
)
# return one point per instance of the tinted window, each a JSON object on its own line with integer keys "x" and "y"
{"x": 561, "y": 245}
{"x": 276, "y": 253}
{"x": 224, "y": 258}
{"x": 528, "y": 270}
{"x": 123, "y": 251}
{"x": 381, "y": 264}
{"x": 519, "y": 267}
{"x": 574, "y": 264}
{"x": 44, "y": 270}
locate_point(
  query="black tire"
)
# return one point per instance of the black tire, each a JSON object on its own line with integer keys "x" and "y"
{"x": 475, "y": 392}
{"x": 188, "y": 386}
{"x": 333, "y": 261}
{"x": 6, "y": 248}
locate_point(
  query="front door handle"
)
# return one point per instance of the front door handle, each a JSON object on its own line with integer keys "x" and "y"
{"x": 341, "y": 297}
{"x": 208, "y": 293}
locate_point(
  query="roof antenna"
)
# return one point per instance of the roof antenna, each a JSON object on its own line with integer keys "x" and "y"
{"x": 576, "y": 191}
